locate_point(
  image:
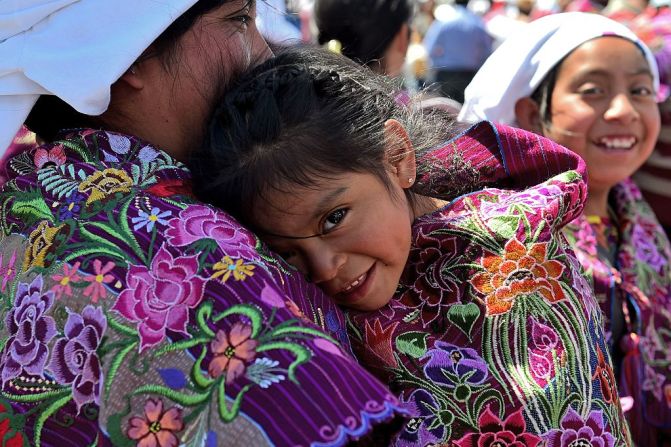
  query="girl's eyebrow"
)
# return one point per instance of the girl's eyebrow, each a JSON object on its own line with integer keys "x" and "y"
{"x": 325, "y": 202}
{"x": 606, "y": 73}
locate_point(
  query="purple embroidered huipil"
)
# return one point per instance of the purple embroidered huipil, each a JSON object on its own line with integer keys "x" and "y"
{"x": 134, "y": 315}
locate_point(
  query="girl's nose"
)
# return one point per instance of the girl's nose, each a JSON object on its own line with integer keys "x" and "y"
{"x": 621, "y": 108}
{"x": 324, "y": 264}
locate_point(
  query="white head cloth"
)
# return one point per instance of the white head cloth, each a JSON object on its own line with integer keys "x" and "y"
{"x": 74, "y": 49}
{"x": 520, "y": 64}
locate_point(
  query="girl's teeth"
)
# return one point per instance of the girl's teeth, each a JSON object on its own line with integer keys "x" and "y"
{"x": 618, "y": 143}
{"x": 354, "y": 283}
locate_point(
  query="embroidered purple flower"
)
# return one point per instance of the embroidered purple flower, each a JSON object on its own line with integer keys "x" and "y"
{"x": 159, "y": 298}
{"x": 148, "y": 220}
{"x": 71, "y": 207}
{"x": 30, "y": 330}
{"x": 201, "y": 222}
{"x": 576, "y": 431}
{"x": 647, "y": 252}
{"x": 74, "y": 359}
{"x": 653, "y": 382}
{"x": 426, "y": 427}
{"x": 451, "y": 365}
{"x": 543, "y": 337}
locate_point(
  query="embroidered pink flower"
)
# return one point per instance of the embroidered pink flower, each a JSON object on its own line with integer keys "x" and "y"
{"x": 96, "y": 288}
{"x": 199, "y": 222}
{"x": 157, "y": 428}
{"x": 495, "y": 432}
{"x": 55, "y": 155}
{"x": 232, "y": 352}
{"x": 159, "y": 298}
{"x": 64, "y": 279}
{"x": 8, "y": 272}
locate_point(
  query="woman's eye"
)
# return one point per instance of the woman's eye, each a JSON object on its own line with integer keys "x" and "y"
{"x": 334, "y": 219}
{"x": 243, "y": 19}
{"x": 589, "y": 91}
{"x": 642, "y": 91}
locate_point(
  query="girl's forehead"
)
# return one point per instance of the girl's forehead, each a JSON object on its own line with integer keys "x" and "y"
{"x": 606, "y": 54}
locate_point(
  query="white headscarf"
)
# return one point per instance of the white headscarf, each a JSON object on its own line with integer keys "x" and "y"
{"x": 74, "y": 49}
{"x": 521, "y": 63}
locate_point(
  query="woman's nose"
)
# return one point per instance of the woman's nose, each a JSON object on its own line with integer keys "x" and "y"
{"x": 621, "y": 108}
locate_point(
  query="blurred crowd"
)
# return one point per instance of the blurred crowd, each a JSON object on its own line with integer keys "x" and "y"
{"x": 437, "y": 46}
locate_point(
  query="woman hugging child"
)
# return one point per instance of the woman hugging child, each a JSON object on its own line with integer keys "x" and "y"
{"x": 445, "y": 249}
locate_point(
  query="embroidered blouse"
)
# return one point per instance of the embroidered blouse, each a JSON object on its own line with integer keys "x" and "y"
{"x": 634, "y": 287}
{"x": 134, "y": 315}
{"x": 493, "y": 336}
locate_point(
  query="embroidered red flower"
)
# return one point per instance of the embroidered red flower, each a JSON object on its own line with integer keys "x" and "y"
{"x": 378, "y": 339}
{"x": 495, "y": 432}
{"x": 604, "y": 372}
{"x": 518, "y": 272}
{"x": 9, "y": 437}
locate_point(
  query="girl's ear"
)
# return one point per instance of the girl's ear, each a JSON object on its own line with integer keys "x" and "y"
{"x": 400, "y": 154}
{"x": 527, "y": 114}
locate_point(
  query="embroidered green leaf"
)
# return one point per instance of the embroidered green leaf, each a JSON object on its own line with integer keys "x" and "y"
{"x": 227, "y": 415}
{"x": 186, "y": 400}
{"x": 301, "y": 353}
{"x": 411, "y": 316}
{"x": 32, "y": 209}
{"x": 412, "y": 343}
{"x": 255, "y": 316}
{"x": 115, "y": 365}
{"x": 505, "y": 226}
{"x": 464, "y": 316}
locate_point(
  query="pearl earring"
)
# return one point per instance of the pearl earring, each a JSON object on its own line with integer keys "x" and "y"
{"x": 410, "y": 180}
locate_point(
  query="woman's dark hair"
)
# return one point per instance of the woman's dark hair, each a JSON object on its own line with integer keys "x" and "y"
{"x": 543, "y": 96}
{"x": 365, "y": 28}
{"x": 50, "y": 114}
{"x": 301, "y": 117}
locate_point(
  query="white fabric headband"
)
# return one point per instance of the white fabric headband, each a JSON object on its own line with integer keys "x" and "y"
{"x": 521, "y": 63}
{"x": 74, "y": 49}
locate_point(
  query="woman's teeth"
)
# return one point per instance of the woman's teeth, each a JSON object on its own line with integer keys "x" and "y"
{"x": 618, "y": 143}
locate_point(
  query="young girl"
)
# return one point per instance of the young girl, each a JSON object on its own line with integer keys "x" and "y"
{"x": 589, "y": 84}
{"x": 464, "y": 299}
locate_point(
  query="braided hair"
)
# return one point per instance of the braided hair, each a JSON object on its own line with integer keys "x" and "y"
{"x": 304, "y": 116}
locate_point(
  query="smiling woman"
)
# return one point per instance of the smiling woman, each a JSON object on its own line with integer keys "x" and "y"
{"x": 591, "y": 85}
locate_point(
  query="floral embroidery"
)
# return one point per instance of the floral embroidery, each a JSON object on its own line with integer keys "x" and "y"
{"x": 544, "y": 349}
{"x": 426, "y": 428}
{"x": 450, "y": 365}
{"x": 71, "y": 207}
{"x": 577, "y": 431}
{"x": 103, "y": 184}
{"x": 55, "y": 155}
{"x": 40, "y": 244}
{"x": 64, "y": 279}
{"x": 604, "y": 373}
{"x": 518, "y": 272}
{"x": 157, "y": 428}
{"x": 232, "y": 352}
{"x": 96, "y": 288}
{"x": 159, "y": 298}
{"x": 8, "y": 436}
{"x": 200, "y": 222}
{"x": 30, "y": 331}
{"x": 227, "y": 267}
{"x": 145, "y": 220}
{"x": 379, "y": 340}
{"x": 495, "y": 432}
{"x": 8, "y": 272}
{"x": 74, "y": 358}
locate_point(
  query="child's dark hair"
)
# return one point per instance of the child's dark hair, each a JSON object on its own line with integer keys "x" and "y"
{"x": 305, "y": 115}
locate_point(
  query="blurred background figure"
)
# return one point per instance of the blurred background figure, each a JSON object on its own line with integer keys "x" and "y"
{"x": 457, "y": 44}
{"x": 375, "y": 33}
{"x": 276, "y": 24}
{"x": 423, "y": 16}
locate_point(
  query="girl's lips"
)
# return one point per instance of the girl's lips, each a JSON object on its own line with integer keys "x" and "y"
{"x": 357, "y": 289}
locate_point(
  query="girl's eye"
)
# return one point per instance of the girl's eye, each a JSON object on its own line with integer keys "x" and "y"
{"x": 333, "y": 219}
